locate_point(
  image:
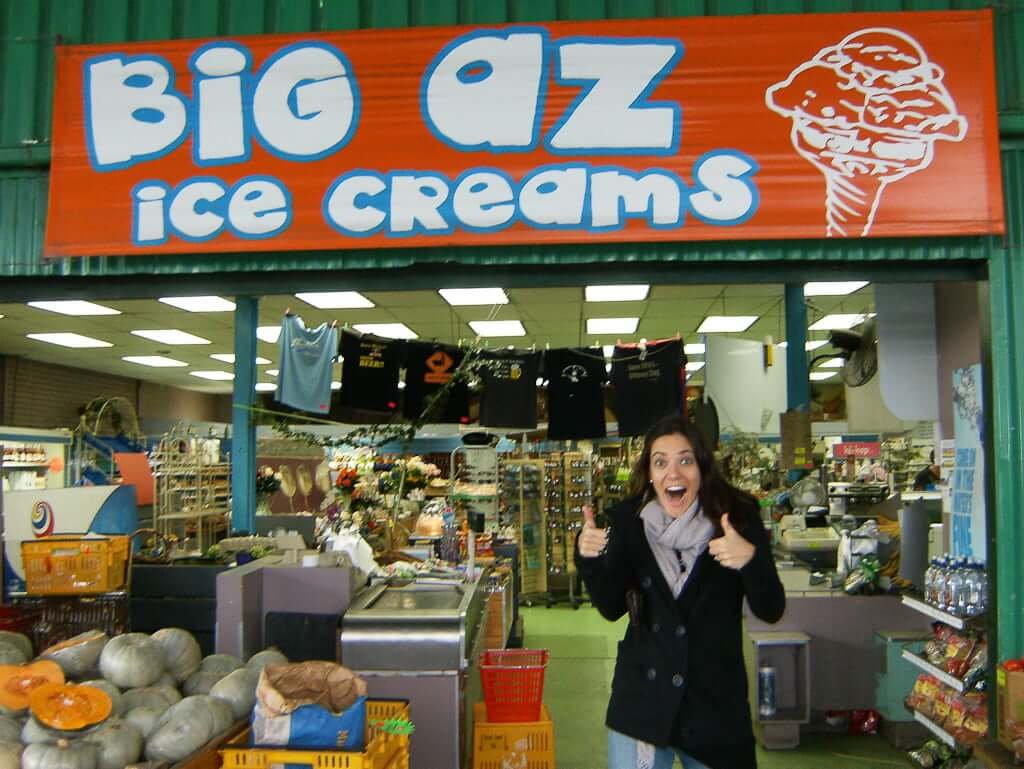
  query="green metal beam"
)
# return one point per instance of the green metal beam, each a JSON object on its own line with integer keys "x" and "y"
{"x": 243, "y": 430}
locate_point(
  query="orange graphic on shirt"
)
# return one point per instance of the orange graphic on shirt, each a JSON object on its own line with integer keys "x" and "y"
{"x": 439, "y": 365}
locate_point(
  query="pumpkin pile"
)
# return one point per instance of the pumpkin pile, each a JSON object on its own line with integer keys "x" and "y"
{"x": 94, "y": 702}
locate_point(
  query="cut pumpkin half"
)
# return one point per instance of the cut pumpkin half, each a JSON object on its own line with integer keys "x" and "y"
{"x": 69, "y": 707}
{"x": 17, "y": 682}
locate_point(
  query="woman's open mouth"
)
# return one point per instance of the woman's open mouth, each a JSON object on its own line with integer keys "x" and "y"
{"x": 675, "y": 493}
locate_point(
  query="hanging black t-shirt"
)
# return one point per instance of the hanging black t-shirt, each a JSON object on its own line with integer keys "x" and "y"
{"x": 648, "y": 383}
{"x": 509, "y": 397}
{"x": 428, "y": 368}
{"x": 369, "y": 373}
{"x": 575, "y": 397}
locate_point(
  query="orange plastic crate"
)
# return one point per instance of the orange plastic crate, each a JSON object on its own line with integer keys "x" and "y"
{"x": 75, "y": 565}
{"x": 513, "y": 682}
{"x": 383, "y": 750}
{"x": 501, "y": 745}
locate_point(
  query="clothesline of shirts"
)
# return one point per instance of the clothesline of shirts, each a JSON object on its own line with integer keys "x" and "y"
{"x": 648, "y": 380}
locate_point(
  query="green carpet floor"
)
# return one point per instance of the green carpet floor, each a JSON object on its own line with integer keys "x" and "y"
{"x": 582, "y": 647}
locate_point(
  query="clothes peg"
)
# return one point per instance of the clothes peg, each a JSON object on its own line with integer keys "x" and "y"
{"x": 287, "y": 311}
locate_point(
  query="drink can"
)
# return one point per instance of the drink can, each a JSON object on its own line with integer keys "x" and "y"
{"x": 766, "y": 704}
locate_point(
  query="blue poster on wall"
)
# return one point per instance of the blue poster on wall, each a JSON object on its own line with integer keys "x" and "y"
{"x": 967, "y": 484}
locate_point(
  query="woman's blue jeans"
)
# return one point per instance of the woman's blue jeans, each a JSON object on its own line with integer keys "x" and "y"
{"x": 622, "y": 755}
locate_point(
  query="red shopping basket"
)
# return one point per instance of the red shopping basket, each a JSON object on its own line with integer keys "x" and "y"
{"x": 513, "y": 681}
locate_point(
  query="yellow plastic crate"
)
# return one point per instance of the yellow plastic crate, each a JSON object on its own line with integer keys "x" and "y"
{"x": 383, "y": 750}
{"x": 526, "y": 745}
{"x": 75, "y": 565}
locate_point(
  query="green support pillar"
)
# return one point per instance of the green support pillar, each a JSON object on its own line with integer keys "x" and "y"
{"x": 1006, "y": 494}
{"x": 243, "y": 431}
{"x": 798, "y": 387}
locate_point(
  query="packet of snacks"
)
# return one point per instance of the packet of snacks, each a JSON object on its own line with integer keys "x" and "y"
{"x": 942, "y": 704}
{"x": 975, "y": 726}
{"x": 958, "y": 654}
{"x": 922, "y": 696}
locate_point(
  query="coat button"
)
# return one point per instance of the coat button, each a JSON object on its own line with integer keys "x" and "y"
{"x": 651, "y": 674}
{"x": 646, "y": 582}
{"x": 656, "y": 627}
{"x": 680, "y": 631}
{"x": 677, "y": 680}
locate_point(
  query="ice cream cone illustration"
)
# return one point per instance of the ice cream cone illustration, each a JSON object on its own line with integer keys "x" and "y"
{"x": 866, "y": 112}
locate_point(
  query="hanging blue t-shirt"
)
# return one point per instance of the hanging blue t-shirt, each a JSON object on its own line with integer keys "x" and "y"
{"x": 306, "y": 361}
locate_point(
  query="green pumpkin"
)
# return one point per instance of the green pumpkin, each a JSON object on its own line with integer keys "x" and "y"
{"x": 63, "y": 755}
{"x": 132, "y": 660}
{"x": 182, "y": 654}
{"x": 119, "y": 743}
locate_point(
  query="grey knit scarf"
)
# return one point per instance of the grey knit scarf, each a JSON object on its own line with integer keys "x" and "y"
{"x": 677, "y": 543}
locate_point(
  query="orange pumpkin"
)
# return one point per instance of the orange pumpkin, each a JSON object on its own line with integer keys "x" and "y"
{"x": 18, "y": 681}
{"x": 69, "y": 707}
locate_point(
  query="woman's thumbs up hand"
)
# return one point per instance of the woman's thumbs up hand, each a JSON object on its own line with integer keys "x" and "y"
{"x": 731, "y": 549}
{"x": 592, "y": 541}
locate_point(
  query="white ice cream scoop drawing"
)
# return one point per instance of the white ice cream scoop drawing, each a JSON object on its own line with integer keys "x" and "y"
{"x": 866, "y": 112}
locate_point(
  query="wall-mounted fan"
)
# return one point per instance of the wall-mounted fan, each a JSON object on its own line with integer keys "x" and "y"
{"x": 859, "y": 350}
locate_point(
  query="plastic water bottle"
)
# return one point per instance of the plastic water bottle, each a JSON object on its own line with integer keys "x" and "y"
{"x": 941, "y": 573}
{"x": 931, "y": 582}
{"x": 964, "y": 607}
{"x": 955, "y": 587}
{"x": 983, "y": 602}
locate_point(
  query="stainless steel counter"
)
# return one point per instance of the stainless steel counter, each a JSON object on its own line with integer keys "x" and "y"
{"x": 421, "y": 641}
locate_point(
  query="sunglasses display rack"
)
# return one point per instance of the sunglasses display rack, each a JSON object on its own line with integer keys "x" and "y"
{"x": 521, "y": 498}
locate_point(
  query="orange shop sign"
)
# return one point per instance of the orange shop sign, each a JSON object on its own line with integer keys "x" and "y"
{"x": 844, "y": 125}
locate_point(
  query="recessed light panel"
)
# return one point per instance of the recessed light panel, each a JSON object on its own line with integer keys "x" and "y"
{"x": 216, "y": 376}
{"x": 336, "y": 300}
{"x": 833, "y": 363}
{"x": 170, "y": 336}
{"x": 468, "y": 297}
{"x": 725, "y": 324}
{"x": 75, "y": 307}
{"x": 155, "y": 361}
{"x": 808, "y": 346}
{"x": 497, "y": 328}
{"x": 837, "y": 322}
{"x": 694, "y": 349}
{"x": 271, "y": 372}
{"x": 386, "y": 330}
{"x": 835, "y": 288}
{"x": 229, "y": 357}
{"x": 694, "y": 366}
{"x": 69, "y": 340}
{"x": 268, "y": 334}
{"x": 612, "y": 325}
{"x": 818, "y": 376}
{"x": 626, "y": 293}
{"x": 265, "y": 387}
{"x": 199, "y": 303}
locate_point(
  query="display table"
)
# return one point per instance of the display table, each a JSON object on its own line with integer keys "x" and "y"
{"x": 846, "y": 660}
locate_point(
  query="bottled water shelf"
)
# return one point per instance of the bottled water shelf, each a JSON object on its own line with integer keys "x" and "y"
{"x": 957, "y": 623}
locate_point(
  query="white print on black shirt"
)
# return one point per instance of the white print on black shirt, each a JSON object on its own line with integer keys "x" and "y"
{"x": 574, "y": 373}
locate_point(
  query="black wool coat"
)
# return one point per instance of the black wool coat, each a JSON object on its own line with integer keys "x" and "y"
{"x": 679, "y": 677}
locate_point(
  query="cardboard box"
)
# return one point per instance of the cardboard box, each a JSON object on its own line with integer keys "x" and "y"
{"x": 1010, "y": 703}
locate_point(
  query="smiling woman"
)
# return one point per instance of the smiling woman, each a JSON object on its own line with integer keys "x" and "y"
{"x": 680, "y": 556}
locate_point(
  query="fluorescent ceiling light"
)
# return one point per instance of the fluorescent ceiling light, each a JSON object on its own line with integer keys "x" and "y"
{"x": 817, "y": 376}
{"x": 694, "y": 349}
{"x": 335, "y": 385}
{"x": 612, "y": 325}
{"x": 265, "y": 387}
{"x": 271, "y": 372}
{"x": 156, "y": 361}
{"x": 75, "y": 307}
{"x": 69, "y": 340}
{"x": 268, "y": 334}
{"x": 807, "y": 345}
{"x": 497, "y": 328}
{"x": 833, "y": 322}
{"x": 386, "y": 330}
{"x": 724, "y": 324}
{"x": 229, "y": 357}
{"x": 199, "y": 303}
{"x": 833, "y": 363}
{"x": 608, "y": 350}
{"x": 694, "y": 365}
{"x": 336, "y": 300}
{"x": 170, "y": 336}
{"x": 460, "y": 297}
{"x": 836, "y": 288}
{"x": 217, "y": 376}
{"x": 629, "y": 293}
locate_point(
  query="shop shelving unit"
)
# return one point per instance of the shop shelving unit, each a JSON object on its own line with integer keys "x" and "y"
{"x": 191, "y": 488}
{"x": 474, "y": 486}
{"x": 559, "y": 560}
{"x": 957, "y": 623}
{"x": 522, "y": 503}
{"x": 577, "y": 491}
